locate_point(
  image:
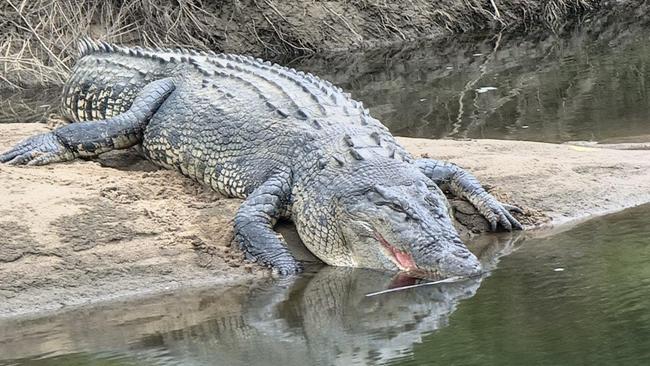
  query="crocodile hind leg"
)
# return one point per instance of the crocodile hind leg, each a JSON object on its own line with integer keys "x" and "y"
{"x": 254, "y": 226}
{"x": 86, "y": 139}
{"x": 463, "y": 184}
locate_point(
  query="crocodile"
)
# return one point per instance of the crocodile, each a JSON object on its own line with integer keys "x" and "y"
{"x": 292, "y": 145}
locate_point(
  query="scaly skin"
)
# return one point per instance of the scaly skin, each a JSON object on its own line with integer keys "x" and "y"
{"x": 293, "y": 145}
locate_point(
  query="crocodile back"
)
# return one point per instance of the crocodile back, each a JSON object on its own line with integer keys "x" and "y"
{"x": 227, "y": 111}
{"x": 107, "y": 77}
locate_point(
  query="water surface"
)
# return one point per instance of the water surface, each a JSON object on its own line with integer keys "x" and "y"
{"x": 588, "y": 84}
{"x": 578, "y": 297}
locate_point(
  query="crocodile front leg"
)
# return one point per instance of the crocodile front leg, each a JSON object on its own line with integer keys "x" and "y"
{"x": 463, "y": 184}
{"x": 86, "y": 139}
{"x": 254, "y": 226}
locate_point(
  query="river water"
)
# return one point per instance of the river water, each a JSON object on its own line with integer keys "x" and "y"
{"x": 587, "y": 85}
{"x": 577, "y": 297}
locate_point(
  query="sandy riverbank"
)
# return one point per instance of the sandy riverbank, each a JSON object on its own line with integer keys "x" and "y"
{"x": 86, "y": 231}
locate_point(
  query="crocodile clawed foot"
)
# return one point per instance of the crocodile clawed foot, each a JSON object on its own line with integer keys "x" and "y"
{"x": 497, "y": 213}
{"x": 279, "y": 268}
{"x": 37, "y": 150}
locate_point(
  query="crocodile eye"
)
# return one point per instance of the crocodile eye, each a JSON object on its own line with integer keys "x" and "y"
{"x": 392, "y": 206}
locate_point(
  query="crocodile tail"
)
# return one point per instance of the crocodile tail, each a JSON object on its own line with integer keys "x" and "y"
{"x": 89, "y": 46}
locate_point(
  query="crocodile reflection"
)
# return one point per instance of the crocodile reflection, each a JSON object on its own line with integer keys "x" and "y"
{"x": 321, "y": 317}
{"x": 326, "y": 318}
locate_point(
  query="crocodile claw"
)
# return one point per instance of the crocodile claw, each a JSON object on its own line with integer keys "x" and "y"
{"x": 279, "y": 268}
{"x": 37, "y": 150}
{"x": 497, "y": 213}
{"x": 512, "y": 208}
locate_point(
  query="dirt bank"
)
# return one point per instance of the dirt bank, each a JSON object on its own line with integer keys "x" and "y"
{"x": 85, "y": 231}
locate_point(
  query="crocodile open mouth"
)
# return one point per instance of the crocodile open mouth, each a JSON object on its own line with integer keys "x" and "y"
{"x": 402, "y": 279}
{"x": 402, "y": 259}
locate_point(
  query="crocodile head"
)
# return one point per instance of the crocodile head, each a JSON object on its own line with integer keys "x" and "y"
{"x": 406, "y": 227}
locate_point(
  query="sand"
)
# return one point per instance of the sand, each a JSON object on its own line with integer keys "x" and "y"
{"x": 88, "y": 231}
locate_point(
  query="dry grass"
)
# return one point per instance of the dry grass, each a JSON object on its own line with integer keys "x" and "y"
{"x": 39, "y": 43}
{"x": 38, "y": 37}
{"x": 479, "y": 14}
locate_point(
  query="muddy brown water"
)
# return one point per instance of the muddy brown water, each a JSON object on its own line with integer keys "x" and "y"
{"x": 581, "y": 296}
